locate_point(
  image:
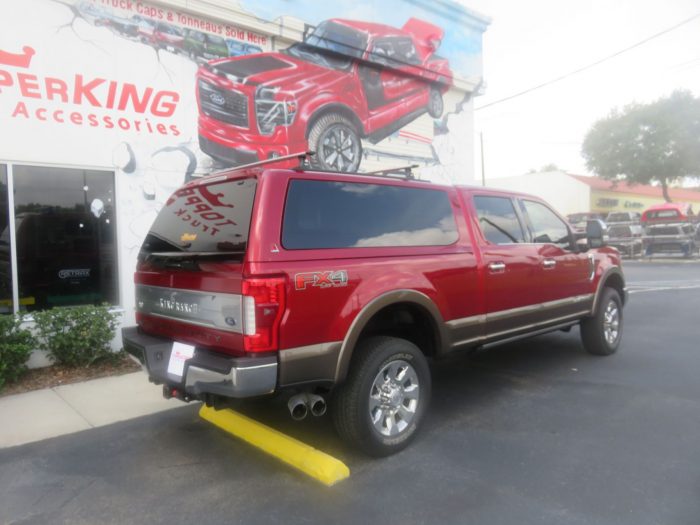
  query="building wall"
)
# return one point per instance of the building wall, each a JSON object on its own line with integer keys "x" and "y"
{"x": 566, "y": 194}
{"x": 89, "y": 85}
{"x": 606, "y": 201}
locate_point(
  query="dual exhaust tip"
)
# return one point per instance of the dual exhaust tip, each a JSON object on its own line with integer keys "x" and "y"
{"x": 301, "y": 404}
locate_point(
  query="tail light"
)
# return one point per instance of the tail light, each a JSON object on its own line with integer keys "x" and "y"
{"x": 263, "y": 307}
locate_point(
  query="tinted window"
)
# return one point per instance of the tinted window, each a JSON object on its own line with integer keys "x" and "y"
{"x": 65, "y": 227}
{"x": 209, "y": 218}
{"x": 498, "y": 220}
{"x": 546, "y": 226}
{"x": 321, "y": 214}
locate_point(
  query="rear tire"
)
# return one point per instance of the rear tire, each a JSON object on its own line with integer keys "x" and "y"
{"x": 601, "y": 334}
{"x": 380, "y": 406}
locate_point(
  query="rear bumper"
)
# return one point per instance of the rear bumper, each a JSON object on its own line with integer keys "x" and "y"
{"x": 206, "y": 372}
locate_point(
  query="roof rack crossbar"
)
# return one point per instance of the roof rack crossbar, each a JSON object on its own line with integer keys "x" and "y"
{"x": 302, "y": 156}
{"x": 404, "y": 171}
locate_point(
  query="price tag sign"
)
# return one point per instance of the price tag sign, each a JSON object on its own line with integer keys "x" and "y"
{"x": 180, "y": 353}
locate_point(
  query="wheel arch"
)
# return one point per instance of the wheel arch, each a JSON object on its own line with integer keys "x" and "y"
{"x": 612, "y": 278}
{"x": 383, "y": 315}
{"x": 340, "y": 109}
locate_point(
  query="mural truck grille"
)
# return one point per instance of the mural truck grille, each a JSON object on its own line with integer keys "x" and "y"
{"x": 224, "y": 105}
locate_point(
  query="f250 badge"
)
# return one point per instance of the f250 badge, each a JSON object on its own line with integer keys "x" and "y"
{"x": 327, "y": 279}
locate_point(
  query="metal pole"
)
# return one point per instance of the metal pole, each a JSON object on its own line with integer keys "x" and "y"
{"x": 13, "y": 238}
{"x": 483, "y": 171}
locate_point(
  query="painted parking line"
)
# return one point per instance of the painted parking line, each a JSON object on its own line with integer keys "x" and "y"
{"x": 660, "y": 286}
{"x": 319, "y": 465}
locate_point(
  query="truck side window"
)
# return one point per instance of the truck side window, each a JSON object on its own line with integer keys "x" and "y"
{"x": 498, "y": 221}
{"x": 546, "y": 226}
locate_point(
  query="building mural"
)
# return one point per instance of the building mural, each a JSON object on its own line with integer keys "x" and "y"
{"x": 157, "y": 95}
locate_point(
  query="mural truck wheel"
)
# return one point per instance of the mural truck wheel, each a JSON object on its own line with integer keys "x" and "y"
{"x": 336, "y": 143}
{"x": 435, "y": 104}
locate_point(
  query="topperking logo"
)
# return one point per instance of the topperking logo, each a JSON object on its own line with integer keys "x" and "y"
{"x": 84, "y": 101}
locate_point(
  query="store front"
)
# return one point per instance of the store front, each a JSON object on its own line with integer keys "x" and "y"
{"x": 107, "y": 106}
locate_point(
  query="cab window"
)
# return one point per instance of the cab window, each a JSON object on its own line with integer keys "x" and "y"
{"x": 498, "y": 220}
{"x": 547, "y": 227}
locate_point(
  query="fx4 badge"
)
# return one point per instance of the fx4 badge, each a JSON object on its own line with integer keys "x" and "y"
{"x": 332, "y": 278}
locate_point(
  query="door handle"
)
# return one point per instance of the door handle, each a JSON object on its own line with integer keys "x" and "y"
{"x": 549, "y": 264}
{"x": 497, "y": 267}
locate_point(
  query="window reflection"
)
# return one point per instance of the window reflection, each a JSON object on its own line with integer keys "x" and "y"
{"x": 64, "y": 219}
{"x": 323, "y": 214}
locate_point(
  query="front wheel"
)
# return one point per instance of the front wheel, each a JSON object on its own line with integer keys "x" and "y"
{"x": 601, "y": 333}
{"x": 336, "y": 143}
{"x": 382, "y": 403}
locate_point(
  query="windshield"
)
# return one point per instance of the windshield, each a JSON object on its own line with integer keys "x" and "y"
{"x": 331, "y": 45}
{"x": 209, "y": 219}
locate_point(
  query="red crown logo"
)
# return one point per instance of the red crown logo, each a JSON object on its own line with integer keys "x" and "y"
{"x": 22, "y": 59}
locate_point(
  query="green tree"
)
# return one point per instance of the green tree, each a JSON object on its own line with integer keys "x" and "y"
{"x": 645, "y": 143}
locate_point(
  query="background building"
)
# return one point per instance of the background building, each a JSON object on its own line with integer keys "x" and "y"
{"x": 577, "y": 193}
{"x": 107, "y": 106}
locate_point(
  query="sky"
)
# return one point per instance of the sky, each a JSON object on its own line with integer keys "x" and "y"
{"x": 531, "y": 42}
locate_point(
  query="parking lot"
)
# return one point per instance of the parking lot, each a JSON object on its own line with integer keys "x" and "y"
{"x": 532, "y": 432}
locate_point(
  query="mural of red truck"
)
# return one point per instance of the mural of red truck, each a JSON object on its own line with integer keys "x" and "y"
{"x": 347, "y": 81}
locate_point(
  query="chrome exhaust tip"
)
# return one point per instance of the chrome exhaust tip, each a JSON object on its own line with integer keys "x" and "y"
{"x": 297, "y": 407}
{"x": 316, "y": 404}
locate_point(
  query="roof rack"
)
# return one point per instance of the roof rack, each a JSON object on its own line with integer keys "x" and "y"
{"x": 402, "y": 171}
{"x": 302, "y": 156}
{"x": 405, "y": 172}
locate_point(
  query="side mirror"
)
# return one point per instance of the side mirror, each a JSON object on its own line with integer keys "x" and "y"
{"x": 596, "y": 233}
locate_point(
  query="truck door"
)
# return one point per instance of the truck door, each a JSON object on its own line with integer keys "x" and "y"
{"x": 510, "y": 267}
{"x": 563, "y": 274}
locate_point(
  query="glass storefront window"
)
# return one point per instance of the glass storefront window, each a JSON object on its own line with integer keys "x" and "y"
{"x": 65, "y": 230}
{"x": 5, "y": 258}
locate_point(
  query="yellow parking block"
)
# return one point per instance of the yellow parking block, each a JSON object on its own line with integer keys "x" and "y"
{"x": 317, "y": 464}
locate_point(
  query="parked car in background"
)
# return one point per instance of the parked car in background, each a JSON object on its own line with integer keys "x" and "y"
{"x": 623, "y": 217}
{"x": 236, "y": 48}
{"x": 579, "y": 220}
{"x": 204, "y": 46}
{"x": 626, "y": 238}
{"x": 668, "y": 212}
{"x": 670, "y": 238}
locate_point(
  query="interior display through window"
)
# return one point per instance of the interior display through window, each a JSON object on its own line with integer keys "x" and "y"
{"x": 65, "y": 234}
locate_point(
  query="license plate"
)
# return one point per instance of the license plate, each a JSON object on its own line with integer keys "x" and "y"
{"x": 179, "y": 354}
{"x": 170, "y": 48}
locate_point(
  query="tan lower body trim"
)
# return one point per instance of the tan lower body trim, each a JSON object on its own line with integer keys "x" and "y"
{"x": 309, "y": 363}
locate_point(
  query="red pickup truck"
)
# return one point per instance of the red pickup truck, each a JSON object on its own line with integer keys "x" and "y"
{"x": 344, "y": 286}
{"x": 345, "y": 82}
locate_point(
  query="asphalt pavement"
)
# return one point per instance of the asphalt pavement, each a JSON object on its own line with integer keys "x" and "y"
{"x": 534, "y": 432}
